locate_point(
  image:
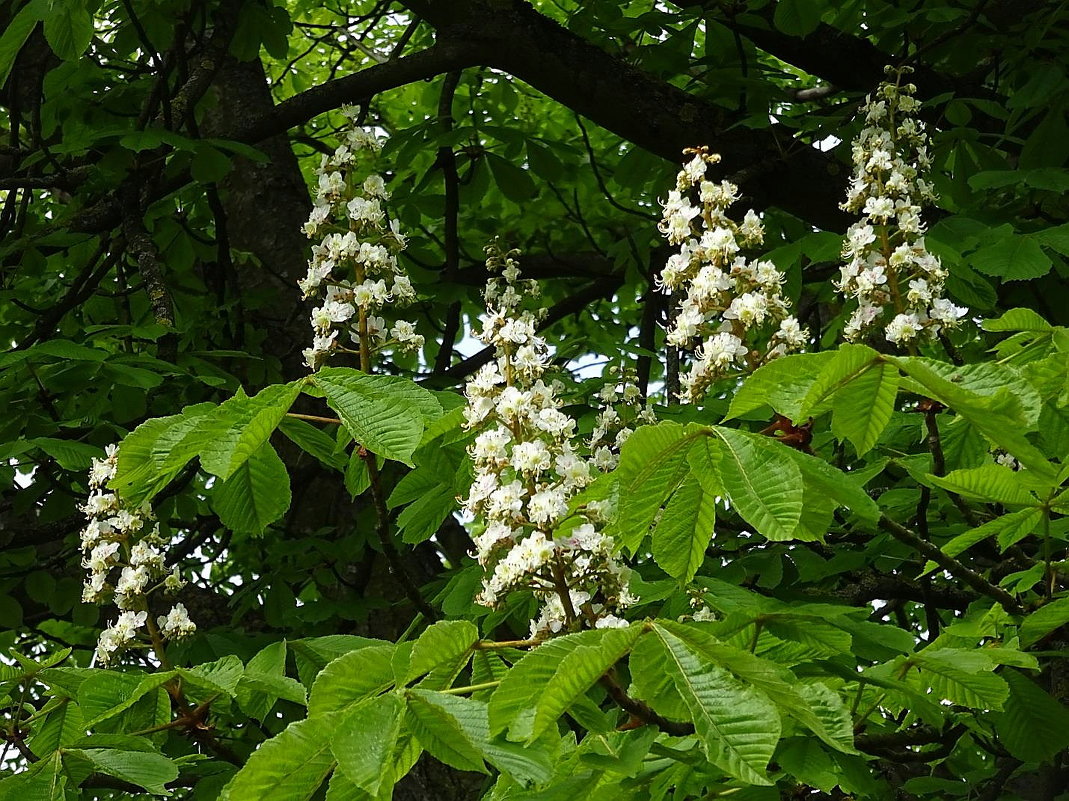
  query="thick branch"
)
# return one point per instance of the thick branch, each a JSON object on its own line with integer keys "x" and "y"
{"x": 639, "y": 107}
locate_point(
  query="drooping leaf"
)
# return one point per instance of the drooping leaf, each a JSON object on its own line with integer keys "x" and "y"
{"x": 763, "y": 484}
{"x": 737, "y": 725}
{"x": 684, "y": 530}
{"x": 256, "y": 494}
{"x": 290, "y": 766}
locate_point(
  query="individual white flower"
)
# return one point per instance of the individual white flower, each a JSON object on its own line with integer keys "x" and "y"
{"x": 176, "y": 623}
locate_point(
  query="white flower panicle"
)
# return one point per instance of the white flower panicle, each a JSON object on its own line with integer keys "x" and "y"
{"x": 727, "y": 299}
{"x": 888, "y": 272}
{"x": 526, "y": 472}
{"x": 124, "y": 560}
{"x": 622, "y": 410}
{"x": 354, "y": 272}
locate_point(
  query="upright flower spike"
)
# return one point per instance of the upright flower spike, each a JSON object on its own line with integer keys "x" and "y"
{"x": 888, "y": 272}
{"x": 526, "y": 472}
{"x": 727, "y": 300}
{"x": 354, "y": 271}
{"x": 121, "y": 544}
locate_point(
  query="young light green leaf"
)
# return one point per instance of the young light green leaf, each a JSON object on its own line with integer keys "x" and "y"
{"x": 1044, "y": 620}
{"x": 575, "y": 674}
{"x": 782, "y": 385}
{"x": 850, "y": 362}
{"x": 989, "y": 483}
{"x": 862, "y": 409}
{"x": 1009, "y": 528}
{"x": 351, "y": 679}
{"x": 238, "y": 428}
{"x": 684, "y": 530}
{"x": 256, "y": 494}
{"x": 452, "y": 728}
{"x": 385, "y": 414}
{"x": 738, "y": 726}
{"x": 143, "y": 768}
{"x": 444, "y": 642}
{"x": 365, "y": 739}
{"x": 762, "y": 482}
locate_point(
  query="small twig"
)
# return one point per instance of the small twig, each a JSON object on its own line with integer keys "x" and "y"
{"x": 951, "y": 565}
{"x": 314, "y": 418}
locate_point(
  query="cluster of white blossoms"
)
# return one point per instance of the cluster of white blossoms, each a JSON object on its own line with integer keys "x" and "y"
{"x": 727, "y": 298}
{"x": 622, "y": 410}
{"x": 123, "y": 554}
{"x": 888, "y": 272}
{"x": 354, "y": 270}
{"x": 526, "y": 472}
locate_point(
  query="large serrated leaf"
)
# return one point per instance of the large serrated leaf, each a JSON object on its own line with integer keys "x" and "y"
{"x": 365, "y": 740}
{"x": 990, "y": 483}
{"x": 453, "y": 729}
{"x": 738, "y": 726}
{"x": 240, "y": 426}
{"x": 351, "y": 679}
{"x": 385, "y": 414}
{"x": 763, "y": 484}
{"x": 862, "y": 408}
{"x": 256, "y": 494}
{"x": 443, "y": 642}
{"x": 1033, "y": 726}
{"x": 684, "y": 530}
{"x": 782, "y": 384}
{"x": 290, "y": 766}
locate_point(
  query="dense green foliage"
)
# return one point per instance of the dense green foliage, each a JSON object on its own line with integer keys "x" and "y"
{"x": 850, "y": 562}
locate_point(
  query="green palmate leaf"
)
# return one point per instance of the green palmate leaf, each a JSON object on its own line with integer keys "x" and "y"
{"x": 384, "y": 414}
{"x": 106, "y": 694}
{"x": 990, "y": 483}
{"x": 862, "y": 409}
{"x": 575, "y": 674}
{"x": 43, "y": 781}
{"x": 365, "y": 740}
{"x": 797, "y": 17}
{"x": 997, "y": 416}
{"x": 351, "y": 679}
{"x": 137, "y": 476}
{"x": 653, "y": 464}
{"x": 782, "y": 384}
{"x": 738, "y": 726}
{"x": 1033, "y": 726}
{"x": 453, "y": 729}
{"x": 827, "y": 716}
{"x": 845, "y": 489}
{"x": 762, "y": 482}
{"x": 961, "y": 677}
{"x": 1009, "y": 528}
{"x": 684, "y": 530}
{"x": 513, "y": 702}
{"x": 60, "y": 726}
{"x": 1017, "y": 320}
{"x": 290, "y": 766}
{"x": 1014, "y": 258}
{"x": 256, "y": 494}
{"x": 16, "y": 33}
{"x": 822, "y": 637}
{"x": 241, "y": 425}
{"x": 849, "y": 363}
{"x": 1044, "y": 620}
{"x": 68, "y": 29}
{"x": 443, "y": 643}
{"x": 145, "y": 769}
